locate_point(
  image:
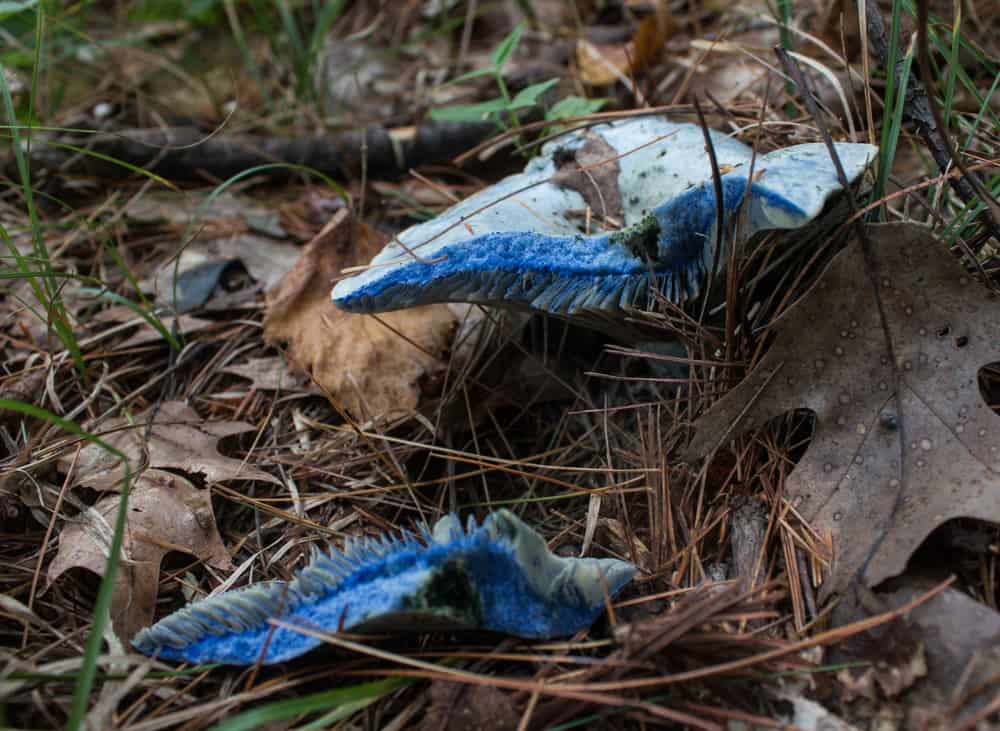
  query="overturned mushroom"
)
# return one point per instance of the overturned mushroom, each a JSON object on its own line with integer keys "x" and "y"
{"x": 497, "y": 576}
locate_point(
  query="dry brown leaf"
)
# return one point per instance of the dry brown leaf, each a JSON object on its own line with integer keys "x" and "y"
{"x": 372, "y": 365}
{"x": 937, "y": 667}
{"x": 880, "y": 473}
{"x": 891, "y": 660}
{"x": 165, "y": 513}
{"x": 271, "y": 374}
{"x": 606, "y": 63}
{"x": 230, "y": 228}
{"x": 602, "y": 63}
{"x": 177, "y": 439}
{"x": 599, "y": 184}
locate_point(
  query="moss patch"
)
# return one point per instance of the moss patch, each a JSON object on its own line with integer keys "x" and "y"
{"x": 449, "y": 591}
{"x": 641, "y": 239}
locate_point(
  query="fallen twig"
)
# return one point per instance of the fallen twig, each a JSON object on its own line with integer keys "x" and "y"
{"x": 187, "y": 152}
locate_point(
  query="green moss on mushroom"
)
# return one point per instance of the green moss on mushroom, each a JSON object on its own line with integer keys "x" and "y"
{"x": 641, "y": 239}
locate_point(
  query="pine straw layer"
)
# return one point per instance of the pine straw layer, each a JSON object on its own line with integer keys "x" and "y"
{"x": 684, "y": 644}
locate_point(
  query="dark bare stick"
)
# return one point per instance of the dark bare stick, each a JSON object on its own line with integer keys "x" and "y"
{"x": 187, "y": 152}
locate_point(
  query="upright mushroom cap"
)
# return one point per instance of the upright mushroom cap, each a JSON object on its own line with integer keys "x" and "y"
{"x": 524, "y": 241}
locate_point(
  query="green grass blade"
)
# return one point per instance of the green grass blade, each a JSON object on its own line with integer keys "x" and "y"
{"x": 12, "y": 7}
{"x": 300, "y": 58}
{"x": 506, "y": 47}
{"x": 239, "y": 37}
{"x": 891, "y": 61}
{"x": 892, "y": 130}
{"x": 469, "y": 76}
{"x": 355, "y": 697}
{"x": 329, "y": 15}
{"x": 115, "y": 161}
{"x": 785, "y": 29}
{"x": 120, "y": 262}
{"x": 943, "y": 49}
{"x": 38, "y": 241}
{"x": 45, "y": 288}
{"x": 983, "y": 109}
{"x": 102, "y": 607}
{"x": 150, "y": 317}
{"x": 953, "y": 63}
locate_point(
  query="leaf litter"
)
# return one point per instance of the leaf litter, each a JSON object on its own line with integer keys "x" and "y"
{"x": 883, "y": 470}
{"x": 166, "y": 512}
{"x": 680, "y": 628}
{"x": 943, "y": 658}
{"x": 170, "y": 436}
{"x": 213, "y": 234}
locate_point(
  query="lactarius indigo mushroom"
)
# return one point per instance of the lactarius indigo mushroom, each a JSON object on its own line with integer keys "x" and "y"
{"x": 497, "y": 576}
{"x": 648, "y": 184}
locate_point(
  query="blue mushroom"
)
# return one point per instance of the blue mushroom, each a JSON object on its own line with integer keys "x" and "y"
{"x": 498, "y": 576}
{"x": 523, "y": 241}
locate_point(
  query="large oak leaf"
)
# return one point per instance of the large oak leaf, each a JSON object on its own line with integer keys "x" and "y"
{"x": 884, "y": 468}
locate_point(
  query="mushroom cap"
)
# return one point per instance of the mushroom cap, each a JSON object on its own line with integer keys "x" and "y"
{"x": 524, "y": 241}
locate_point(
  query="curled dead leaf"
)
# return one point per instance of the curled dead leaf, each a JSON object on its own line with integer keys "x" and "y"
{"x": 938, "y": 666}
{"x": 218, "y": 232}
{"x": 373, "y": 365}
{"x": 165, "y": 513}
{"x": 592, "y": 170}
{"x": 883, "y": 470}
{"x": 202, "y": 263}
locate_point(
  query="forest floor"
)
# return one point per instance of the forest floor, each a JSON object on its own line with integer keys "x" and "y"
{"x": 804, "y": 468}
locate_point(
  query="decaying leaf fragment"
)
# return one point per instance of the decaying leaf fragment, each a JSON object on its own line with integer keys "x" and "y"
{"x": 881, "y": 472}
{"x": 170, "y": 435}
{"x": 372, "y": 365}
{"x": 165, "y": 513}
{"x": 215, "y": 233}
{"x": 271, "y": 374}
{"x": 606, "y": 63}
{"x": 962, "y": 641}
